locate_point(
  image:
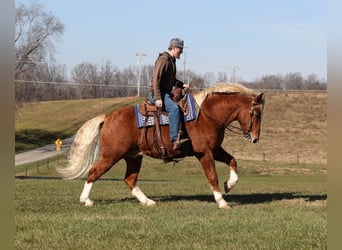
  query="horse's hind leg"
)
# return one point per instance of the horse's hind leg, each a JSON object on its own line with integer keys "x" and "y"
{"x": 95, "y": 173}
{"x": 222, "y": 156}
{"x": 131, "y": 177}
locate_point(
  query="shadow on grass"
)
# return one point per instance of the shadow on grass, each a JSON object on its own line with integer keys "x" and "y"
{"x": 244, "y": 199}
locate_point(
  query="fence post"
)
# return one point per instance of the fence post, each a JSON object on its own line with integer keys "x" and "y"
{"x": 263, "y": 156}
{"x": 38, "y": 167}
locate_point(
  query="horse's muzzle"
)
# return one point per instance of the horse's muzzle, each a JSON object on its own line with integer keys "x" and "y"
{"x": 249, "y": 138}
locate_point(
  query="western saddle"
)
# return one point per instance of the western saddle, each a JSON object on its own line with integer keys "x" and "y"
{"x": 146, "y": 108}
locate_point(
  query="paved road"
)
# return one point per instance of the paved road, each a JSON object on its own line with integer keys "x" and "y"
{"x": 42, "y": 153}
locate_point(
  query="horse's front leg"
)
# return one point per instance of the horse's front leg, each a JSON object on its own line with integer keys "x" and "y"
{"x": 131, "y": 177}
{"x": 222, "y": 156}
{"x": 208, "y": 165}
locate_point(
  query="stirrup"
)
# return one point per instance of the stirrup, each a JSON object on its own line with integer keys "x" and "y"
{"x": 165, "y": 157}
{"x": 177, "y": 143}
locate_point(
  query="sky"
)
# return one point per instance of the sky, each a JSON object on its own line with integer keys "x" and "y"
{"x": 254, "y": 37}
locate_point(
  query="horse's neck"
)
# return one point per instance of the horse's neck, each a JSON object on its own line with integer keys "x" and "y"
{"x": 226, "y": 108}
{"x": 235, "y": 105}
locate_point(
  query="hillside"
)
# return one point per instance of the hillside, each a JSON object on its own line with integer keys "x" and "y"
{"x": 41, "y": 123}
{"x": 294, "y": 126}
{"x": 294, "y": 129}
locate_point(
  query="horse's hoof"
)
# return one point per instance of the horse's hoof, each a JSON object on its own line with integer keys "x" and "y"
{"x": 226, "y": 206}
{"x": 88, "y": 203}
{"x": 149, "y": 202}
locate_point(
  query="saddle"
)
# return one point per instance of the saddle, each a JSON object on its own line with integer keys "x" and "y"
{"x": 146, "y": 108}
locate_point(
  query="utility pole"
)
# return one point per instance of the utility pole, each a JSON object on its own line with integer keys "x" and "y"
{"x": 140, "y": 62}
{"x": 233, "y": 78}
{"x": 184, "y": 67}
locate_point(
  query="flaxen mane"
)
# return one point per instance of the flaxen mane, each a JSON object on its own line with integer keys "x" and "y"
{"x": 223, "y": 87}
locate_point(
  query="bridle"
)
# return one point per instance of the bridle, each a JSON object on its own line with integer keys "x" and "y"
{"x": 246, "y": 134}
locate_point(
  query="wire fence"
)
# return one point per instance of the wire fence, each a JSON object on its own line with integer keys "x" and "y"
{"x": 35, "y": 91}
{"x": 46, "y": 166}
{"x": 41, "y": 167}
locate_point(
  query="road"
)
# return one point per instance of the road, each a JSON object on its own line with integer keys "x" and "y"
{"x": 42, "y": 153}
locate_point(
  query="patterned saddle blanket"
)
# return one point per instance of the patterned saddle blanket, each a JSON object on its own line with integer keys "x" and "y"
{"x": 164, "y": 119}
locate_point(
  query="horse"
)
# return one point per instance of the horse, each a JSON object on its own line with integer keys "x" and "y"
{"x": 107, "y": 138}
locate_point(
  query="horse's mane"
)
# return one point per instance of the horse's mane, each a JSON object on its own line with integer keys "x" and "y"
{"x": 222, "y": 87}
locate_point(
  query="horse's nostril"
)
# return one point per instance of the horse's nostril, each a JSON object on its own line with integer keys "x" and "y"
{"x": 255, "y": 140}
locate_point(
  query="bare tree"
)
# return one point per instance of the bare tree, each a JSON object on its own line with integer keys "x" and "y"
{"x": 50, "y": 72}
{"x": 86, "y": 76}
{"x": 35, "y": 30}
{"x": 196, "y": 82}
{"x": 107, "y": 73}
{"x": 209, "y": 78}
{"x": 293, "y": 81}
{"x": 271, "y": 82}
{"x": 222, "y": 77}
{"x": 146, "y": 77}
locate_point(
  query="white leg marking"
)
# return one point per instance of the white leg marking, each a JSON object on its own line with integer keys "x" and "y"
{"x": 219, "y": 199}
{"x": 233, "y": 179}
{"x": 142, "y": 197}
{"x": 84, "y": 198}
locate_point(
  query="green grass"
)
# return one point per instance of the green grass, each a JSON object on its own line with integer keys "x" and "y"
{"x": 274, "y": 211}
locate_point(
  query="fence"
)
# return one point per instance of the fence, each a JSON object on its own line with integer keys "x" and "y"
{"x": 35, "y": 168}
{"x": 32, "y": 91}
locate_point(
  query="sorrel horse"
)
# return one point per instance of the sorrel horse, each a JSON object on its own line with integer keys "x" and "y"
{"x": 120, "y": 138}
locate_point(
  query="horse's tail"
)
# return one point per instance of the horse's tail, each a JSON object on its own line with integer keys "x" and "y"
{"x": 84, "y": 150}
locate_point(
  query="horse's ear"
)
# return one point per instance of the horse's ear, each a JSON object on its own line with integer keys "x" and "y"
{"x": 258, "y": 99}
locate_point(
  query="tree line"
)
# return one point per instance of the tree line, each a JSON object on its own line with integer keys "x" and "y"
{"x": 38, "y": 77}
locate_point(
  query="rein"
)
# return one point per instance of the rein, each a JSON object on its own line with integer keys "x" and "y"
{"x": 229, "y": 127}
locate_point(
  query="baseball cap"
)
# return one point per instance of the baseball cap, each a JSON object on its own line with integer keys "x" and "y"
{"x": 176, "y": 42}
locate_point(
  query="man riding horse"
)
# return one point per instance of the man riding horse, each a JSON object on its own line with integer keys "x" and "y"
{"x": 163, "y": 82}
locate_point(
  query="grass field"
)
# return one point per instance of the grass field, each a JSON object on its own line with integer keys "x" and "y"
{"x": 285, "y": 209}
{"x": 280, "y": 201}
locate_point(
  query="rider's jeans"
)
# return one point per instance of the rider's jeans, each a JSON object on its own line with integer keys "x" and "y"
{"x": 172, "y": 108}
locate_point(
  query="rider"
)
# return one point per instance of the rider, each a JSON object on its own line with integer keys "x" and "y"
{"x": 163, "y": 82}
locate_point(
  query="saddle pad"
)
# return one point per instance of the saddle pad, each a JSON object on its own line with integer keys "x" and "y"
{"x": 164, "y": 119}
